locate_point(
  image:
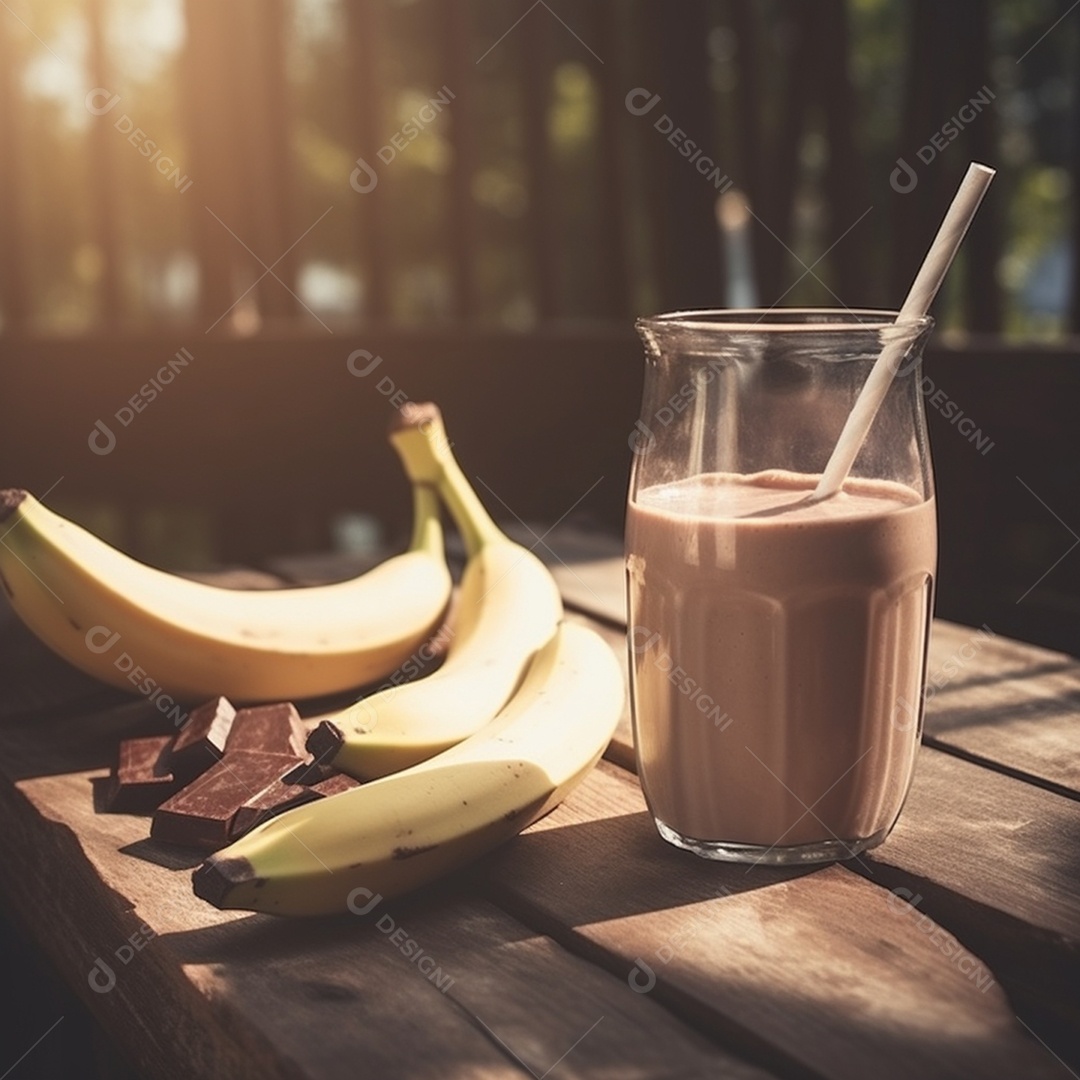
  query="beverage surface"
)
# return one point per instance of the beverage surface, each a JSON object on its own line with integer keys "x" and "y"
{"x": 777, "y": 493}
{"x": 775, "y": 643}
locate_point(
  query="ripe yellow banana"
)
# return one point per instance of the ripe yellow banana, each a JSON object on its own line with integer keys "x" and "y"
{"x": 509, "y": 607}
{"x": 398, "y": 833}
{"x": 143, "y": 629}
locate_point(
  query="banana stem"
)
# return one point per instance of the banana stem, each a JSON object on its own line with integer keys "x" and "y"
{"x": 420, "y": 439}
{"x": 427, "y": 534}
{"x": 473, "y": 521}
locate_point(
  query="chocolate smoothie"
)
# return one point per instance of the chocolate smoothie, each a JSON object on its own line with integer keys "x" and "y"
{"x": 771, "y": 638}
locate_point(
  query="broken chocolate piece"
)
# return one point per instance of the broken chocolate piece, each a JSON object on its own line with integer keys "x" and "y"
{"x": 271, "y": 801}
{"x": 325, "y": 741}
{"x": 141, "y": 780}
{"x": 270, "y": 729}
{"x": 305, "y": 783}
{"x": 334, "y": 785}
{"x": 310, "y": 772}
{"x": 201, "y": 741}
{"x": 200, "y": 814}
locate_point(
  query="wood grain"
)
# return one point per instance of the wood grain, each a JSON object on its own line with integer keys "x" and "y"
{"x": 596, "y": 587}
{"x": 993, "y": 838}
{"x": 821, "y": 973}
{"x": 1007, "y": 704}
{"x": 214, "y": 994}
{"x": 996, "y": 860}
{"x": 804, "y": 970}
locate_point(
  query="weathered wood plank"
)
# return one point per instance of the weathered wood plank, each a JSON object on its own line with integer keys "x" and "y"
{"x": 996, "y": 860}
{"x": 211, "y": 123}
{"x": 610, "y": 21}
{"x": 193, "y": 996}
{"x": 778, "y": 188}
{"x": 844, "y": 185}
{"x": 1009, "y": 705}
{"x": 198, "y": 998}
{"x": 993, "y": 856}
{"x": 972, "y": 24}
{"x": 680, "y": 200}
{"x": 993, "y": 838}
{"x": 803, "y": 970}
{"x": 267, "y": 108}
{"x": 1074, "y": 170}
{"x": 515, "y": 983}
{"x": 1024, "y": 923}
{"x": 597, "y": 588}
{"x": 1013, "y": 706}
{"x": 926, "y": 82}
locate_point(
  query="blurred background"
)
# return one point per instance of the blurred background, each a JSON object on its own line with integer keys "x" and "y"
{"x": 236, "y": 234}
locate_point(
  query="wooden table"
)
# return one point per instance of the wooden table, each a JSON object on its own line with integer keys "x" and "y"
{"x": 588, "y": 947}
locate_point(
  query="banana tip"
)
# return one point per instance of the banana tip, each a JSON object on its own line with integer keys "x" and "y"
{"x": 414, "y": 414}
{"x": 217, "y": 877}
{"x": 10, "y": 500}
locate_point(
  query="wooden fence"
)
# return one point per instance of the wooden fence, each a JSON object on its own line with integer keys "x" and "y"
{"x": 269, "y": 436}
{"x": 790, "y": 68}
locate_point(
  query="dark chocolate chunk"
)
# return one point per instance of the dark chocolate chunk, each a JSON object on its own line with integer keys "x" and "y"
{"x": 288, "y": 792}
{"x": 325, "y": 741}
{"x": 141, "y": 780}
{"x": 334, "y": 785}
{"x": 201, "y": 740}
{"x": 271, "y": 729}
{"x": 310, "y": 772}
{"x": 272, "y": 800}
{"x": 200, "y": 814}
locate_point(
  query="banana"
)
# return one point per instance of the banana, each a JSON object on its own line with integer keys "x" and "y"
{"x": 509, "y": 607}
{"x": 140, "y": 628}
{"x": 393, "y": 835}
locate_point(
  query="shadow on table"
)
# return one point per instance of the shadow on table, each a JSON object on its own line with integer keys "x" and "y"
{"x": 619, "y": 864}
{"x": 562, "y": 876}
{"x": 273, "y": 938}
{"x": 612, "y": 867}
{"x": 956, "y": 718}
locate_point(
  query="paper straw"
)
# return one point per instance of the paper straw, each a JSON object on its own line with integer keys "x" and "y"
{"x": 927, "y": 282}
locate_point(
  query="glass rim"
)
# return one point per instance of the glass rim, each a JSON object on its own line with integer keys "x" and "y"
{"x": 772, "y": 320}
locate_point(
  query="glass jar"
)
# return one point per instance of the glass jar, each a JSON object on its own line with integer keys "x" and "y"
{"x": 777, "y": 641}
